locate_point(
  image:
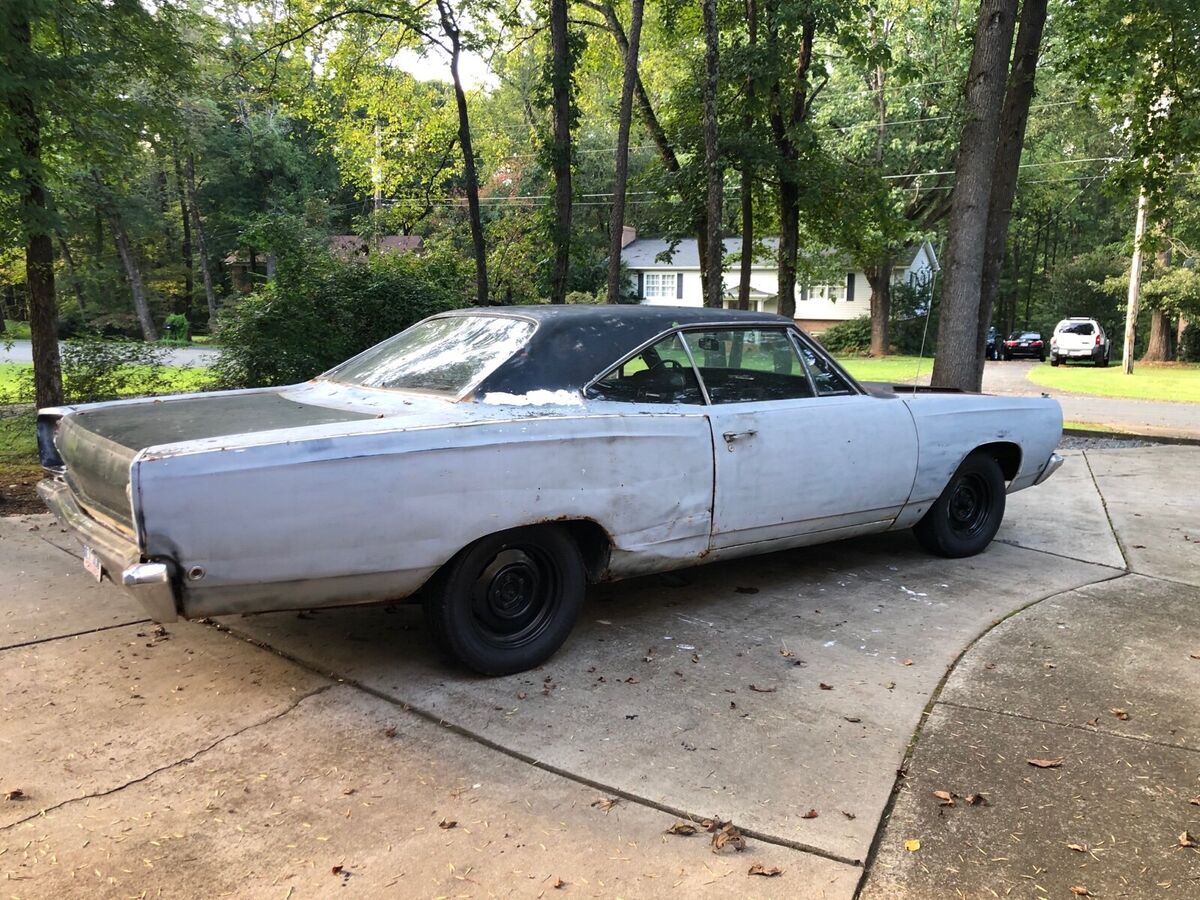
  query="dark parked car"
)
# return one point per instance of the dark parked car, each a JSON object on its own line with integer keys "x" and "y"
{"x": 1025, "y": 343}
{"x": 994, "y": 343}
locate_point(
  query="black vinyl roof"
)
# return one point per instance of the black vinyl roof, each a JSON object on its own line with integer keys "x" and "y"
{"x": 574, "y": 344}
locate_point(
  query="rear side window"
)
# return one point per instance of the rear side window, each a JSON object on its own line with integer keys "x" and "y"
{"x": 661, "y": 373}
{"x": 1077, "y": 328}
{"x": 747, "y": 365}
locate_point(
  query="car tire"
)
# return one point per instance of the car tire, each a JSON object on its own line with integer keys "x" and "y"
{"x": 1008, "y": 357}
{"x": 967, "y": 515}
{"x": 1042, "y": 357}
{"x": 1102, "y": 362}
{"x": 1054, "y": 360}
{"x": 508, "y": 601}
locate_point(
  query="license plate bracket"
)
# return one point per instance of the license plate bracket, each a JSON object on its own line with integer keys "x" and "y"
{"x": 91, "y": 562}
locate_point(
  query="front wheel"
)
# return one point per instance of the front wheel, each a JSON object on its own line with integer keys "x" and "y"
{"x": 507, "y": 602}
{"x": 967, "y": 515}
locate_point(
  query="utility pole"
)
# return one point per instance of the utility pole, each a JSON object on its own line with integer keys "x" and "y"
{"x": 1135, "y": 283}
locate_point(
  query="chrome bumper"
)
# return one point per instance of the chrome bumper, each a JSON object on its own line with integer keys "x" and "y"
{"x": 152, "y": 583}
{"x": 1052, "y": 465}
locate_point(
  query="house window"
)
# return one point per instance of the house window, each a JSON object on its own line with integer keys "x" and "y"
{"x": 659, "y": 284}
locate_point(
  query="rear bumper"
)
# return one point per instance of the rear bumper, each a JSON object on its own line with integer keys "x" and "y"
{"x": 152, "y": 583}
{"x": 1053, "y": 464}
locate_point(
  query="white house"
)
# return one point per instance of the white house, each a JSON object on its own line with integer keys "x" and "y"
{"x": 662, "y": 277}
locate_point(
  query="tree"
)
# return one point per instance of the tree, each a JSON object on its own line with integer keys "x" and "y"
{"x": 956, "y": 365}
{"x": 746, "y": 193}
{"x": 621, "y": 169}
{"x": 560, "y": 153}
{"x": 714, "y": 287}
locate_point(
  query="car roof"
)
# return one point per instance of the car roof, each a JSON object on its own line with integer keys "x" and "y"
{"x": 574, "y": 343}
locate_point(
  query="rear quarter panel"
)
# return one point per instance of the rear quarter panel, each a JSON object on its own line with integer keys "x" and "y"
{"x": 950, "y": 426}
{"x": 336, "y": 507}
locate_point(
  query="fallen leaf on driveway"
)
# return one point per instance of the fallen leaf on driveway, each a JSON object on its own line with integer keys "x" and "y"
{"x": 1194, "y": 655}
{"x": 1078, "y": 848}
{"x": 1080, "y": 891}
{"x": 1186, "y": 840}
{"x": 1120, "y": 714}
{"x": 849, "y": 815}
{"x": 825, "y": 687}
{"x": 811, "y": 814}
{"x": 907, "y": 662}
{"x": 784, "y": 651}
{"x": 390, "y": 731}
{"x": 1093, "y": 722}
{"x": 683, "y": 829}
{"x": 912, "y": 845}
{"x": 559, "y": 884}
{"x": 336, "y": 870}
{"x": 853, "y": 720}
{"x": 447, "y": 824}
{"x": 726, "y": 834}
{"x": 762, "y": 690}
{"x": 976, "y": 800}
{"x": 1046, "y": 763}
{"x": 760, "y": 869}
{"x": 604, "y": 804}
{"x": 16, "y": 794}
{"x": 947, "y": 797}
{"x": 1195, "y": 801}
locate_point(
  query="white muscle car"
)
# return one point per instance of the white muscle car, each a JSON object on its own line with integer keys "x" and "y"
{"x": 492, "y": 462}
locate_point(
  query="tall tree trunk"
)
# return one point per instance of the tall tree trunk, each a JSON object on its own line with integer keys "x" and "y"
{"x": 76, "y": 283}
{"x": 560, "y": 85}
{"x": 34, "y": 216}
{"x": 956, "y": 364}
{"x": 1158, "y": 348}
{"x": 133, "y": 272}
{"x": 714, "y": 286}
{"x": 185, "y": 247}
{"x": 1134, "y": 297}
{"x": 879, "y": 277}
{"x": 1013, "y": 120}
{"x": 470, "y": 175}
{"x": 621, "y": 176}
{"x": 786, "y": 118}
{"x": 747, "y": 186}
{"x": 210, "y": 295}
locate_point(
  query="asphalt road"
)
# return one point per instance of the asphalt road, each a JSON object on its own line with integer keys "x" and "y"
{"x": 782, "y": 692}
{"x": 22, "y": 352}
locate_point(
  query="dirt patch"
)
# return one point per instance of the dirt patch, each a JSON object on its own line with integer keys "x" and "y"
{"x": 18, "y": 489}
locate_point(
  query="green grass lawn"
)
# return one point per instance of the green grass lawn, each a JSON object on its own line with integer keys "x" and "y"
{"x": 1177, "y": 382}
{"x": 889, "y": 369}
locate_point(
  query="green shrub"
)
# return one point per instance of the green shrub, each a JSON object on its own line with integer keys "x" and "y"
{"x": 95, "y": 369}
{"x": 319, "y": 312}
{"x": 1189, "y": 344}
{"x": 851, "y": 336}
{"x": 176, "y": 329}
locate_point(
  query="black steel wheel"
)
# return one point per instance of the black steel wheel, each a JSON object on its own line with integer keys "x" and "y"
{"x": 507, "y": 602}
{"x": 967, "y": 515}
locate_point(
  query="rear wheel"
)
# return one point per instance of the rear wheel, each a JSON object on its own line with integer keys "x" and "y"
{"x": 507, "y": 602}
{"x": 1102, "y": 362}
{"x": 1054, "y": 360}
{"x": 965, "y": 518}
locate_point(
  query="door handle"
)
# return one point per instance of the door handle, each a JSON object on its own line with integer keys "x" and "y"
{"x": 731, "y": 436}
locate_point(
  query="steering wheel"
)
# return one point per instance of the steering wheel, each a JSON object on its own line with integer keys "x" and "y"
{"x": 668, "y": 364}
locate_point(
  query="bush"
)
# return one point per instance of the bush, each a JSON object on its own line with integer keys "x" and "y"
{"x": 1189, "y": 344}
{"x": 319, "y": 312}
{"x": 852, "y": 336}
{"x": 95, "y": 369}
{"x": 177, "y": 329}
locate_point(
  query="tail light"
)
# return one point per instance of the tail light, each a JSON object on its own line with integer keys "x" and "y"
{"x": 1010, "y": 343}
{"x": 1097, "y": 340}
{"x": 1037, "y": 343}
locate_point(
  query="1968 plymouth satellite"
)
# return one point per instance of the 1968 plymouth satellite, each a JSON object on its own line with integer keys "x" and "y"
{"x": 494, "y": 461}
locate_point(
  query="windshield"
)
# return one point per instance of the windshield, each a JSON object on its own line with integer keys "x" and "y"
{"x": 447, "y": 355}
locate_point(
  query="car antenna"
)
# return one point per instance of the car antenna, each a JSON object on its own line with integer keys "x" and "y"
{"x": 925, "y": 331}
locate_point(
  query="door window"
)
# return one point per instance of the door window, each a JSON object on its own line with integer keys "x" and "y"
{"x": 662, "y": 373}
{"x": 827, "y": 380}
{"x": 748, "y": 365}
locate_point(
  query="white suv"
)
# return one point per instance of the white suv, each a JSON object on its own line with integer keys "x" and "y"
{"x": 1079, "y": 338}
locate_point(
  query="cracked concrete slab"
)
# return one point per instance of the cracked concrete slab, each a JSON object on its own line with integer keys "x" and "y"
{"x": 346, "y": 791}
{"x": 46, "y": 593}
{"x": 1038, "y": 518}
{"x": 720, "y": 670}
{"x": 86, "y": 714}
{"x": 1125, "y": 645}
{"x": 1153, "y": 499}
{"x": 1121, "y": 802}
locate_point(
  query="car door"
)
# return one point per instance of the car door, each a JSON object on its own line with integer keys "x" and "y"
{"x": 799, "y": 448}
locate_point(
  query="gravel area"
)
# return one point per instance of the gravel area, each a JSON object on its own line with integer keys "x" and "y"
{"x": 1070, "y": 442}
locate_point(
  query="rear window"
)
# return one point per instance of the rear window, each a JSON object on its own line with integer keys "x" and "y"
{"x": 448, "y": 355}
{"x": 1024, "y": 336}
{"x": 1076, "y": 328}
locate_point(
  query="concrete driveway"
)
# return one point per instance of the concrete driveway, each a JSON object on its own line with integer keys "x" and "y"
{"x": 286, "y": 755}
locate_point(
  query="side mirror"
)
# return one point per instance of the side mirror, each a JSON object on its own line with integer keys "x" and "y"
{"x": 709, "y": 343}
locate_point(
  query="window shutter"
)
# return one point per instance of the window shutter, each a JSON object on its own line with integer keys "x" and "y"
{"x": 641, "y": 285}
{"x": 803, "y": 292}
{"x": 849, "y": 287}
{"x": 678, "y": 285}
